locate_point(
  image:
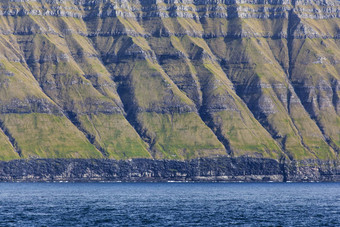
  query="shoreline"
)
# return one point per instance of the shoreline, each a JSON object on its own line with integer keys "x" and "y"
{"x": 219, "y": 169}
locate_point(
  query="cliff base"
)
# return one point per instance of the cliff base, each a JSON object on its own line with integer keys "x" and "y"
{"x": 220, "y": 169}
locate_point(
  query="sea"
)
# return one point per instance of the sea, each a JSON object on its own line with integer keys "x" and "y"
{"x": 169, "y": 204}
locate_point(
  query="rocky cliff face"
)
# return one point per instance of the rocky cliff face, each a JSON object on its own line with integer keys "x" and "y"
{"x": 219, "y": 169}
{"x": 170, "y": 79}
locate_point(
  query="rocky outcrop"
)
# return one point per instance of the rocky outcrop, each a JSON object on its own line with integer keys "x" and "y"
{"x": 221, "y": 169}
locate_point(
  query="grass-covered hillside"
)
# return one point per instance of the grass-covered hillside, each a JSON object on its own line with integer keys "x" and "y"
{"x": 124, "y": 79}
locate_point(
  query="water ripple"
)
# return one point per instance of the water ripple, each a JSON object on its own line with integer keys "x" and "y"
{"x": 169, "y": 204}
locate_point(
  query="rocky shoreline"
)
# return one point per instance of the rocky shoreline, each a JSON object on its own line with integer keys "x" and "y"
{"x": 220, "y": 169}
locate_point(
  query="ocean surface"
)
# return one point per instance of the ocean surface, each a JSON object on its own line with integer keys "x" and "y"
{"x": 169, "y": 204}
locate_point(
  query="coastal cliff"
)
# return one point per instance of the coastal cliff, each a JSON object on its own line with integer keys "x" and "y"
{"x": 162, "y": 80}
{"x": 222, "y": 169}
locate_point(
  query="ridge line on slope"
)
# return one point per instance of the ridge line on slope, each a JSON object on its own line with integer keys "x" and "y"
{"x": 290, "y": 39}
{"x": 200, "y": 111}
{"x": 126, "y": 114}
{"x": 10, "y": 138}
{"x": 87, "y": 135}
{"x": 289, "y": 94}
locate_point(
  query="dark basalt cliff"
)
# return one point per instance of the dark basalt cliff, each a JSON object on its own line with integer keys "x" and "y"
{"x": 221, "y": 169}
{"x": 177, "y": 80}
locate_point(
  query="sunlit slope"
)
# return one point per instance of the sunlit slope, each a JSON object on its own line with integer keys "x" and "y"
{"x": 169, "y": 80}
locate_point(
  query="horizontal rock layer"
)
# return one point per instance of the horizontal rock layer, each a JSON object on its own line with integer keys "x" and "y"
{"x": 139, "y": 170}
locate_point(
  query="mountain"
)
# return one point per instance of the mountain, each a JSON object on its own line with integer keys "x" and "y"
{"x": 170, "y": 79}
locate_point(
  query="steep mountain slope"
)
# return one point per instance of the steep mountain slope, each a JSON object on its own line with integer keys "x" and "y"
{"x": 163, "y": 79}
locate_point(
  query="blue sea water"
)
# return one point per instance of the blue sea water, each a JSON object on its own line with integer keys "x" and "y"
{"x": 169, "y": 204}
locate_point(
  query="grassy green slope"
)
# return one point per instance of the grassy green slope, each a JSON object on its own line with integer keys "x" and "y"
{"x": 7, "y": 151}
{"x": 48, "y": 136}
{"x": 262, "y": 84}
{"x": 115, "y": 135}
{"x": 146, "y": 90}
{"x": 191, "y": 65}
{"x": 315, "y": 78}
{"x": 105, "y": 80}
{"x": 157, "y": 95}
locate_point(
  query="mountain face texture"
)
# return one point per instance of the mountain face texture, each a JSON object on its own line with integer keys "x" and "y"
{"x": 170, "y": 79}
